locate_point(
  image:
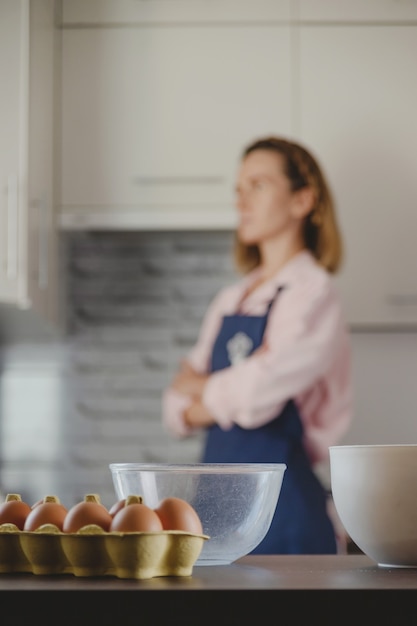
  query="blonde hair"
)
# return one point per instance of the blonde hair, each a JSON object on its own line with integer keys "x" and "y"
{"x": 321, "y": 232}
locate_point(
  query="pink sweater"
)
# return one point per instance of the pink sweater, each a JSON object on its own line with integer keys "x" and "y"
{"x": 307, "y": 359}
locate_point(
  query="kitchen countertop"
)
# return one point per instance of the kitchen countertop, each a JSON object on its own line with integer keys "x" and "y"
{"x": 352, "y": 585}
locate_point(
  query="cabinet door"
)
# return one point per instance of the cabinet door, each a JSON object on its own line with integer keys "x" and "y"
{"x": 42, "y": 255}
{"x": 12, "y": 142}
{"x": 154, "y": 120}
{"x": 358, "y": 94}
{"x": 27, "y": 229}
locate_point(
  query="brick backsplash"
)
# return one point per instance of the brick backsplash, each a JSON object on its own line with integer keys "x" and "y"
{"x": 135, "y": 303}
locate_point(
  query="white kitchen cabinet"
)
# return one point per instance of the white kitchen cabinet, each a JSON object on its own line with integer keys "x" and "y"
{"x": 105, "y": 12}
{"x": 11, "y": 68}
{"x": 154, "y": 119}
{"x": 27, "y": 227}
{"x": 359, "y": 11}
{"x": 358, "y": 103}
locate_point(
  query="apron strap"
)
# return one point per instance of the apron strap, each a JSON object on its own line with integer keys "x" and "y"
{"x": 278, "y": 291}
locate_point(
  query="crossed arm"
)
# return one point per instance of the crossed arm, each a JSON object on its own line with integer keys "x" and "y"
{"x": 190, "y": 383}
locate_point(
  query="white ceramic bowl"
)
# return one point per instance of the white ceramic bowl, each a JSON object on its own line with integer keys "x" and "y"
{"x": 235, "y": 502}
{"x": 374, "y": 489}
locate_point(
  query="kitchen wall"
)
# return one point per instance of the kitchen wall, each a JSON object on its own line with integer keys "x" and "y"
{"x": 76, "y": 398}
{"x": 74, "y": 402}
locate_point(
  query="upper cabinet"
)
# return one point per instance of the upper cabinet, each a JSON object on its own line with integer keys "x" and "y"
{"x": 28, "y": 251}
{"x": 358, "y": 95}
{"x": 160, "y": 96}
{"x": 153, "y": 120}
{"x": 11, "y": 68}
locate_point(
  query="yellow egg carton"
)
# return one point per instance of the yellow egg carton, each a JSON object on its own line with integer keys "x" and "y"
{"x": 94, "y": 552}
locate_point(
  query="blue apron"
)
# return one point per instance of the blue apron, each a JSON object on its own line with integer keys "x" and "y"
{"x": 300, "y": 524}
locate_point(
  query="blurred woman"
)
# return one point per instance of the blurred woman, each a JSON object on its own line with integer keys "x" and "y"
{"x": 269, "y": 378}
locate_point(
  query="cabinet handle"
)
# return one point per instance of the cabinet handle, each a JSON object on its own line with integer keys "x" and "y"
{"x": 12, "y": 230}
{"x": 402, "y": 299}
{"x": 178, "y": 180}
{"x": 43, "y": 244}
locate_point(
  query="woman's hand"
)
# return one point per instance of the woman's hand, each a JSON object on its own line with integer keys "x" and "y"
{"x": 189, "y": 382}
{"x": 197, "y": 416}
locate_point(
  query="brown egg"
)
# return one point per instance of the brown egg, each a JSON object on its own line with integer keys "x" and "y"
{"x": 135, "y": 517}
{"x": 49, "y": 511}
{"x": 117, "y": 506}
{"x": 14, "y": 511}
{"x": 89, "y": 511}
{"x": 177, "y": 514}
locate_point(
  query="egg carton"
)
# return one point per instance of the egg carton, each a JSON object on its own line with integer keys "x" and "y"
{"x": 94, "y": 552}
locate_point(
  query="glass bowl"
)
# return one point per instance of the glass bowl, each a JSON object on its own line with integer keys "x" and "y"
{"x": 235, "y": 501}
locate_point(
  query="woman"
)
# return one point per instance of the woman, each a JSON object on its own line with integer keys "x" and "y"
{"x": 269, "y": 378}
